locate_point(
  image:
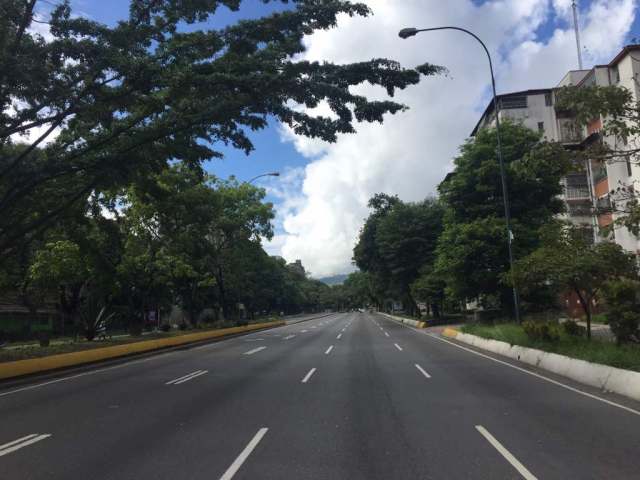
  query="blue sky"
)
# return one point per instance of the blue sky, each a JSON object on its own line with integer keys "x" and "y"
{"x": 532, "y": 44}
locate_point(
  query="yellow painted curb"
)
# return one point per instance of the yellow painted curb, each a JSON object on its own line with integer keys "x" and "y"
{"x": 422, "y": 324}
{"x": 450, "y": 332}
{"x": 52, "y": 362}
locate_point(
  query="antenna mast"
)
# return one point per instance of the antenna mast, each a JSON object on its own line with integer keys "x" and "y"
{"x": 577, "y": 30}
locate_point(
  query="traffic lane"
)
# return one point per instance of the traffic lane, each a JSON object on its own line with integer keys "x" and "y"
{"x": 157, "y": 419}
{"x": 143, "y": 378}
{"x": 363, "y": 416}
{"x": 31, "y": 395}
{"x": 557, "y": 432}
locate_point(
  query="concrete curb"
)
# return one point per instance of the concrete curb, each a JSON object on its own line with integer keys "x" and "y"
{"x": 19, "y": 368}
{"x": 604, "y": 377}
{"x": 406, "y": 321}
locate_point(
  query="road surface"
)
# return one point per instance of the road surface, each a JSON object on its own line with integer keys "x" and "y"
{"x": 348, "y": 396}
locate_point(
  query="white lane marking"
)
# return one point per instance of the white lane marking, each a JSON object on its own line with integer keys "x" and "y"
{"x": 380, "y": 328}
{"x": 288, "y": 337}
{"x": 506, "y": 454}
{"x": 21, "y": 443}
{"x": 398, "y": 346}
{"x": 255, "y": 340}
{"x": 187, "y": 376}
{"x": 313, "y": 326}
{"x": 422, "y": 371}
{"x": 7, "y": 445}
{"x": 204, "y": 372}
{"x": 537, "y": 375}
{"x": 237, "y": 463}
{"x": 304, "y": 331}
{"x": 339, "y": 335}
{"x": 329, "y": 350}
{"x": 308, "y": 375}
{"x": 255, "y": 350}
{"x": 343, "y": 329}
{"x": 386, "y": 334}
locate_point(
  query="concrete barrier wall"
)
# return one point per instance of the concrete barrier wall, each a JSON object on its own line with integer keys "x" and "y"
{"x": 604, "y": 377}
{"x": 52, "y": 362}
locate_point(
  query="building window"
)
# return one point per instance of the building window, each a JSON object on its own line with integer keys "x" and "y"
{"x": 615, "y": 75}
{"x": 548, "y": 99}
{"x": 541, "y": 127}
{"x": 628, "y": 167}
{"x": 515, "y": 101}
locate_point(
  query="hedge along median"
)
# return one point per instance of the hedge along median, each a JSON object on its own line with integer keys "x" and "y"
{"x": 407, "y": 321}
{"x": 36, "y": 365}
{"x": 609, "y": 379}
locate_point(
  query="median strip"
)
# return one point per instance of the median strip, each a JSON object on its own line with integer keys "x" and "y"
{"x": 54, "y": 362}
{"x": 22, "y": 442}
{"x": 235, "y": 466}
{"x": 522, "y": 470}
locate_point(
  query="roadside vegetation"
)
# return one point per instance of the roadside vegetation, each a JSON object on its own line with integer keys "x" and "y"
{"x": 601, "y": 351}
{"x": 110, "y": 216}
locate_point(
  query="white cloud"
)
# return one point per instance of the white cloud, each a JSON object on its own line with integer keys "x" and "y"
{"x": 411, "y": 152}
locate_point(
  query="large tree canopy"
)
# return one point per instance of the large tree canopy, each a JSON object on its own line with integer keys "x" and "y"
{"x": 472, "y": 251}
{"x": 159, "y": 86}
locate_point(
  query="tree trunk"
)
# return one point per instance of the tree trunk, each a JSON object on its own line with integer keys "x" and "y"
{"x": 586, "y": 308}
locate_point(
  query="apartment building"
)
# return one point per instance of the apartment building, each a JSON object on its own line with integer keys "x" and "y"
{"x": 536, "y": 110}
{"x": 622, "y": 71}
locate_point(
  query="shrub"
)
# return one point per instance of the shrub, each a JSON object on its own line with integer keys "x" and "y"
{"x": 542, "y": 331}
{"x": 623, "y": 314}
{"x": 243, "y": 322}
{"x": 571, "y": 327}
{"x": 165, "y": 327}
{"x": 182, "y": 325}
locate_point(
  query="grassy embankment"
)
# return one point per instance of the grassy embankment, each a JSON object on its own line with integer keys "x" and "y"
{"x": 596, "y": 351}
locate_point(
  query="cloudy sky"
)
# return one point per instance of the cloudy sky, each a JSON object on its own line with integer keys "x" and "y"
{"x": 323, "y": 189}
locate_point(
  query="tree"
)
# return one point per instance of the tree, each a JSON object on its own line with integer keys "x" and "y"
{"x": 397, "y": 240}
{"x": 156, "y": 88}
{"x": 567, "y": 261}
{"x": 472, "y": 250}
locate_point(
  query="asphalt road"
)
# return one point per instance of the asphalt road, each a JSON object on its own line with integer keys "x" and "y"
{"x": 348, "y": 396}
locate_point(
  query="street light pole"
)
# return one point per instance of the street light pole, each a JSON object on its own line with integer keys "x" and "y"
{"x": 270, "y": 174}
{"x": 410, "y": 32}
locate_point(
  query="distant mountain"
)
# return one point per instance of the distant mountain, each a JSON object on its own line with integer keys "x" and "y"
{"x": 334, "y": 280}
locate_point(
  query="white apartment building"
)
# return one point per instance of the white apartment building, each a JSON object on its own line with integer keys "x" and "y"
{"x": 622, "y": 71}
{"x": 536, "y": 110}
{"x": 588, "y": 190}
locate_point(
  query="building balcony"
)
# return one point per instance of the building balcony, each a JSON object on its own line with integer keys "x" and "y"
{"x": 569, "y": 131}
{"x": 577, "y": 193}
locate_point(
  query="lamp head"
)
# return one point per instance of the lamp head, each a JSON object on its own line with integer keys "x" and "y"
{"x": 407, "y": 32}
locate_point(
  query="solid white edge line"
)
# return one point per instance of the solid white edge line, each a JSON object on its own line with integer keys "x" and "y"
{"x": 422, "y": 371}
{"x": 522, "y": 470}
{"x": 183, "y": 377}
{"x": 308, "y": 375}
{"x": 398, "y": 346}
{"x": 329, "y": 350}
{"x": 528, "y": 372}
{"x": 204, "y": 372}
{"x": 7, "y": 445}
{"x": 255, "y": 350}
{"x": 24, "y": 444}
{"x": 237, "y": 463}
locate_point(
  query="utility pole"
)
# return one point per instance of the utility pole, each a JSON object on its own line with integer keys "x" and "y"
{"x": 576, "y": 27}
